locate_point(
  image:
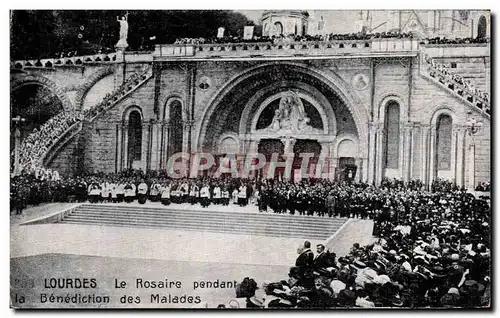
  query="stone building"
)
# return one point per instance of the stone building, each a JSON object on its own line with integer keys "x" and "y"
{"x": 374, "y": 104}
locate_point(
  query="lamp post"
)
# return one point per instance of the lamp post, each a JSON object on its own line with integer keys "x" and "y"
{"x": 17, "y": 141}
{"x": 473, "y": 127}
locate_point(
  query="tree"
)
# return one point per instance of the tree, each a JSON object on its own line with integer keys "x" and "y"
{"x": 37, "y": 33}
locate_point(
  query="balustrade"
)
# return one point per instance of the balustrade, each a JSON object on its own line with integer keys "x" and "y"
{"x": 457, "y": 84}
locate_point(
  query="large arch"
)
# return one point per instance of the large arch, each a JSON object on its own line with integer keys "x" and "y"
{"x": 331, "y": 80}
{"x": 89, "y": 83}
{"x": 28, "y": 79}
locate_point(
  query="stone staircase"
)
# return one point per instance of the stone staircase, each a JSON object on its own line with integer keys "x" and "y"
{"x": 454, "y": 85}
{"x": 93, "y": 113}
{"x": 264, "y": 224}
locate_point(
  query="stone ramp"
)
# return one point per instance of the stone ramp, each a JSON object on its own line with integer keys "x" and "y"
{"x": 205, "y": 220}
{"x": 353, "y": 231}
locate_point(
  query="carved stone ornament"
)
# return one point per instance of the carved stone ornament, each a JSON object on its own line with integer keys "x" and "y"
{"x": 360, "y": 82}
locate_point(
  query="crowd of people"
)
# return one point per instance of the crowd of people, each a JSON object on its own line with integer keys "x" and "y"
{"x": 463, "y": 85}
{"x": 483, "y": 186}
{"x": 34, "y": 147}
{"x": 432, "y": 248}
{"x": 432, "y": 251}
{"x": 293, "y": 38}
{"x": 36, "y": 144}
{"x": 439, "y": 40}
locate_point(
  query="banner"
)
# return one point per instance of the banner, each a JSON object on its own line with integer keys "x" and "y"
{"x": 248, "y": 32}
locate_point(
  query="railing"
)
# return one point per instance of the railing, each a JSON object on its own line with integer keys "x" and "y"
{"x": 118, "y": 94}
{"x": 309, "y": 48}
{"x": 457, "y": 85}
{"x": 60, "y": 141}
{"x": 66, "y": 61}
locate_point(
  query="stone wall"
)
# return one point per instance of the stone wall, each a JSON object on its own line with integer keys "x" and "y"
{"x": 392, "y": 81}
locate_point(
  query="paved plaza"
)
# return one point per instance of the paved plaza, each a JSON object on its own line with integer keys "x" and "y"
{"x": 76, "y": 250}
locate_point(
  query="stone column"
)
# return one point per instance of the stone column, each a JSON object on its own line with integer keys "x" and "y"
{"x": 424, "y": 149}
{"x": 241, "y": 155}
{"x": 432, "y": 156}
{"x": 164, "y": 145}
{"x": 406, "y": 169}
{"x": 359, "y": 165}
{"x": 155, "y": 145}
{"x": 379, "y": 154}
{"x": 186, "y": 127}
{"x": 145, "y": 145}
{"x": 453, "y": 160}
{"x": 252, "y": 149}
{"x": 119, "y": 145}
{"x": 323, "y": 167}
{"x": 124, "y": 150}
{"x": 415, "y": 132}
{"x": 332, "y": 159}
{"x": 471, "y": 180}
{"x": 460, "y": 162}
{"x": 373, "y": 127}
{"x": 289, "y": 143}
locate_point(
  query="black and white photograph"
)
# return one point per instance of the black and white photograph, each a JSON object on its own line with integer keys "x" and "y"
{"x": 250, "y": 159}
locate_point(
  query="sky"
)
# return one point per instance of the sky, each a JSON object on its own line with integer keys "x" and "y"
{"x": 337, "y": 21}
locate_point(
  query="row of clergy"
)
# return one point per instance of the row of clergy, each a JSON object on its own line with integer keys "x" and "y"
{"x": 113, "y": 190}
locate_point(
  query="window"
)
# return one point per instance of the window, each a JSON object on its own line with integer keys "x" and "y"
{"x": 134, "y": 136}
{"x": 391, "y": 131}
{"x": 443, "y": 142}
{"x": 175, "y": 128}
{"x": 481, "y": 27}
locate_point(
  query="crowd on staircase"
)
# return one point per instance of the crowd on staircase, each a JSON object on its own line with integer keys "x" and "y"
{"x": 34, "y": 147}
{"x": 36, "y": 144}
{"x": 464, "y": 86}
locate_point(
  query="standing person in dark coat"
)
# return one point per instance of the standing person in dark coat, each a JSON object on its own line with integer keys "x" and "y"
{"x": 304, "y": 263}
{"x": 291, "y": 201}
{"x": 330, "y": 204}
{"x": 322, "y": 259}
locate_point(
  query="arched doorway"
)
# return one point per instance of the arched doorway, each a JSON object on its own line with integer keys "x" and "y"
{"x": 331, "y": 111}
{"x": 36, "y": 104}
{"x": 134, "y": 149}
{"x": 278, "y": 28}
{"x": 481, "y": 27}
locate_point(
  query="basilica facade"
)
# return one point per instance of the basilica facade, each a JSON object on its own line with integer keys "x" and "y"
{"x": 376, "y": 106}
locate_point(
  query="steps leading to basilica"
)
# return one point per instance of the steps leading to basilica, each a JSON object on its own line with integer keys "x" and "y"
{"x": 263, "y": 224}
